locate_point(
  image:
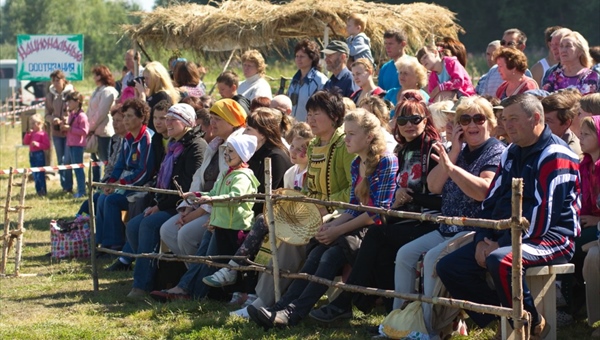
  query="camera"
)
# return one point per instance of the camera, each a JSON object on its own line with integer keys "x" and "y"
{"x": 138, "y": 79}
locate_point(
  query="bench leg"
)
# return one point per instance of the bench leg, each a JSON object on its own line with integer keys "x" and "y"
{"x": 543, "y": 290}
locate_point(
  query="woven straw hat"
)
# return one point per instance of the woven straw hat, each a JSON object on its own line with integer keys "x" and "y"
{"x": 295, "y": 222}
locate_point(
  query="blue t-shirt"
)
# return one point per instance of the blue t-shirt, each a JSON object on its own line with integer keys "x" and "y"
{"x": 388, "y": 76}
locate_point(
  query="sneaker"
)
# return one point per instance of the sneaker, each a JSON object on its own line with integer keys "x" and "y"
{"x": 269, "y": 318}
{"x": 249, "y": 300}
{"x": 242, "y": 313}
{"x": 137, "y": 293}
{"x": 221, "y": 278}
{"x": 238, "y": 299}
{"x": 330, "y": 313}
{"x": 164, "y": 296}
{"x": 119, "y": 266}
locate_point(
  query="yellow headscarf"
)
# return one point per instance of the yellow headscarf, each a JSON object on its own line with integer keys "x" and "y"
{"x": 232, "y": 112}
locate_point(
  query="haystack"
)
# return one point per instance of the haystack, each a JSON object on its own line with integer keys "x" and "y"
{"x": 259, "y": 24}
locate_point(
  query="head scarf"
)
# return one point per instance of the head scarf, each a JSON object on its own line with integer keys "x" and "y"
{"x": 184, "y": 113}
{"x": 232, "y": 112}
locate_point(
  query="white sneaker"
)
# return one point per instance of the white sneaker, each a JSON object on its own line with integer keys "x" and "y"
{"x": 242, "y": 313}
{"x": 223, "y": 277}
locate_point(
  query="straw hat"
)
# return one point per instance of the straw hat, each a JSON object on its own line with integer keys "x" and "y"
{"x": 295, "y": 222}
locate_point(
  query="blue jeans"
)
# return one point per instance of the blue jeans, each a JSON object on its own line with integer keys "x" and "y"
{"x": 85, "y": 206}
{"x": 143, "y": 235}
{"x": 37, "y": 158}
{"x": 76, "y": 156}
{"x": 219, "y": 242}
{"x": 101, "y": 155}
{"x": 110, "y": 229}
{"x": 301, "y": 296}
{"x": 66, "y": 176}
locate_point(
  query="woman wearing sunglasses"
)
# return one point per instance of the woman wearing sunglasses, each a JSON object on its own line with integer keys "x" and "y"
{"x": 374, "y": 262}
{"x": 462, "y": 177}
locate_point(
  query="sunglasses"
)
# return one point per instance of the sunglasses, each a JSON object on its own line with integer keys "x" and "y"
{"x": 414, "y": 120}
{"x": 507, "y": 43}
{"x": 478, "y": 119}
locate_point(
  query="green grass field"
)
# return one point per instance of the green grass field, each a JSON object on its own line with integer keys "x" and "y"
{"x": 55, "y": 300}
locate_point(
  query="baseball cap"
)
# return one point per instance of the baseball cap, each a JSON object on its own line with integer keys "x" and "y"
{"x": 336, "y": 46}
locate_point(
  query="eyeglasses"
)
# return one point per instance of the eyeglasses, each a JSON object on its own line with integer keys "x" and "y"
{"x": 507, "y": 43}
{"x": 414, "y": 120}
{"x": 478, "y": 119}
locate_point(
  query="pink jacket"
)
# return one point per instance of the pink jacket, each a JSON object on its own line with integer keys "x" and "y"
{"x": 459, "y": 78}
{"x": 78, "y": 130}
{"x": 37, "y": 140}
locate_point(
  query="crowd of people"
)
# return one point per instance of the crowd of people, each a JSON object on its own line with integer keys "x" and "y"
{"x": 415, "y": 134}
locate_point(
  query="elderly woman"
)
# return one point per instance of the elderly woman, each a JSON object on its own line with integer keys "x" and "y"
{"x": 412, "y": 76}
{"x": 103, "y": 98}
{"x": 56, "y": 105}
{"x": 575, "y": 66}
{"x": 362, "y": 71}
{"x": 307, "y": 80}
{"x": 185, "y": 154}
{"x": 183, "y": 232}
{"x": 462, "y": 177}
{"x": 512, "y": 64}
{"x": 134, "y": 166}
{"x": 156, "y": 87}
{"x": 187, "y": 78}
{"x": 255, "y": 85}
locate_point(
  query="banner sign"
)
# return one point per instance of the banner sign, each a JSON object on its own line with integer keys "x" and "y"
{"x": 40, "y": 55}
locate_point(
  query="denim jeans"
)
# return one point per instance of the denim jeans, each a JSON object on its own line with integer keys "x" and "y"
{"x": 85, "y": 206}
{"x": 143, "y": 234}
{"x": 37, "y": 158}
{"x": 76, "y": 157}
{"x": 301, "y": 296}
{"x": 66, "y": 176}
{"x": 219, "y": 242}
{"x": 101, "y": 155}
{"x": 110, "y": 229}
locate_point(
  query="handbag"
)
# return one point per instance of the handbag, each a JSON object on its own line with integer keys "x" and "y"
{"x": 70, "y": 238}
{"x": 91, "y": 144}
{"x": 406, "y": 323}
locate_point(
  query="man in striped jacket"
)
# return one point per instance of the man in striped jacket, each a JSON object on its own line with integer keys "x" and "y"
{"x": 551, "y": 203}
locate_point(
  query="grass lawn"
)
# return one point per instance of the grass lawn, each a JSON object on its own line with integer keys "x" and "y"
{"x": 58, "y": 302}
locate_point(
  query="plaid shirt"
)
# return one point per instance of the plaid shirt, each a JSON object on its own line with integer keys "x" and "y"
{"x": 382, "y": 185}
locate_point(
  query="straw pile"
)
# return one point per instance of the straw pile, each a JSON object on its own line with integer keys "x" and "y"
{"x": 260, "y": 24}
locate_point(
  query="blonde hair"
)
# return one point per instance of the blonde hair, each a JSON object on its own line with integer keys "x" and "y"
{"x": 36, "y": 118}
{"x": 159, "y": 80}
{"x": 366, "y": 63}
{"x": 300, "y": 130}
{"x": 255, "y": 57}
{"x": 371, "y": 125}
{"x": 413, "y": 64}
{"x": 479, "y": 105}
{"x": 439, "y": 117}
{"x": 377, "y": 107}
{"x": 582, "y": 46}
{"x": 349, "y": 104}
{"x": 588, "y": 122}
{"x": 359, "y": 20}
{"x": 591, "y": 103}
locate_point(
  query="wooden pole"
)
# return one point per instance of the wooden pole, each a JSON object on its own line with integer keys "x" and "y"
{"x": 20, "y": 230}
{"x": 6, "y": 235}
{"x": 517, "y": 258}
{"x": 224, "y": 69}
{"x": 92, "y": 224}
{"x": 271, "y": 221}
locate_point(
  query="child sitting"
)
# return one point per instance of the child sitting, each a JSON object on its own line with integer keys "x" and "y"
{"x": 38, "y": 141}
{"x": 358, "y": 42}
{"x": 77, "y": 130}
{"x": 447, "y": 75}
{"x": 226, "y": 220}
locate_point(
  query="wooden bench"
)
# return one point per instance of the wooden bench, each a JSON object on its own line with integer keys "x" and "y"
{"x": 541, "y": 283}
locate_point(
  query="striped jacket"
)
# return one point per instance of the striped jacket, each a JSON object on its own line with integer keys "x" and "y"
{"x": 382, "y": 185}
{"x": 135, "y": 162}
{"x": 551, "y": 194}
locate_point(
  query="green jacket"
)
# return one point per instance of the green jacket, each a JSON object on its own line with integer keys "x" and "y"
{"x": 233, "y": 215}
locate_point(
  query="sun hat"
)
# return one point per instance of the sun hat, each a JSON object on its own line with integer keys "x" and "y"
{"x": 183, "y": 112}
{"x": 295, "y": 222}
{"x": 231, "y": 111}
{"x": 244, "y": 145}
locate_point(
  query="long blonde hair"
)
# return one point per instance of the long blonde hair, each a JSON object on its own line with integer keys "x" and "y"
{"x": 371, "y": 126}
{"x": 161, "y": 81}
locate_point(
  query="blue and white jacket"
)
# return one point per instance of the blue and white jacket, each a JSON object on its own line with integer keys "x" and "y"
{"x": 135, "y": 162}
{"x": 551, "y": 195}
{"x": 302, "y": 88}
